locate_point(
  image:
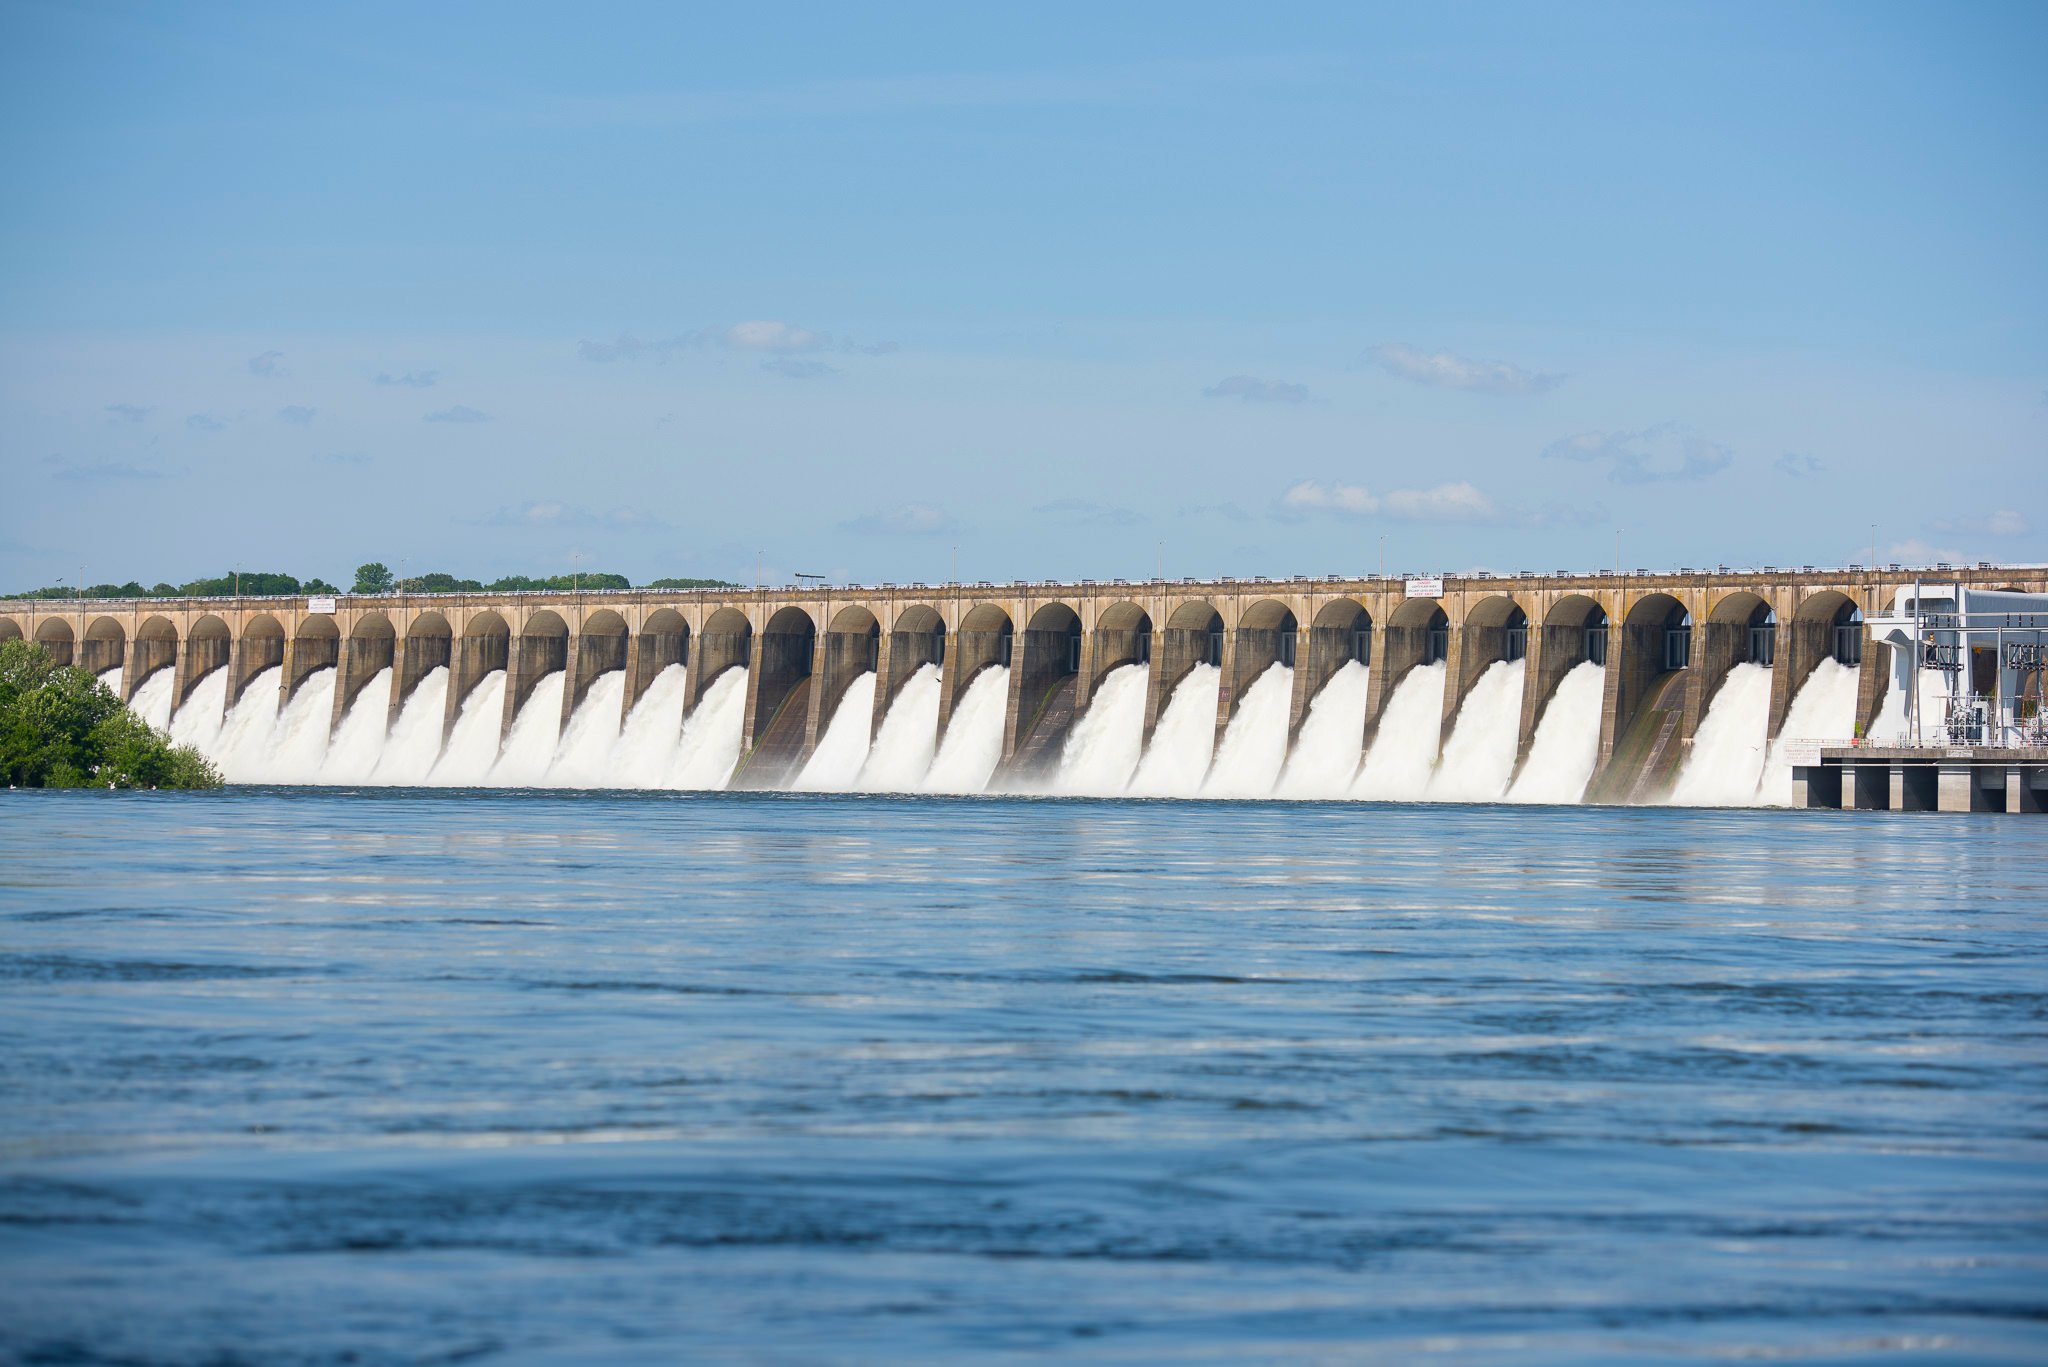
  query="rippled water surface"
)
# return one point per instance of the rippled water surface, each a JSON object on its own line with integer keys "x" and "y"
{"x": 366, "y": 1076}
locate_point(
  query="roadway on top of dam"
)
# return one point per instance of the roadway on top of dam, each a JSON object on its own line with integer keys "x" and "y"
{"x": 1666, "y": 642}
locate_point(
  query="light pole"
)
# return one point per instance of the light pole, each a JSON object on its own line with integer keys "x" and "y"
{"x": 1383, "y": 559}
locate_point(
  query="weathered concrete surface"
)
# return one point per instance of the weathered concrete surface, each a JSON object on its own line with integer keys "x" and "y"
{"x": 784, "y": 634}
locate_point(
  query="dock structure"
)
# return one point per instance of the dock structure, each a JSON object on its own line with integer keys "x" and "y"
{"x": 1921, "y": 778}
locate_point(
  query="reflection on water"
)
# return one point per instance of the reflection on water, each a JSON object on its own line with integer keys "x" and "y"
{"x": 302, "y": 1075}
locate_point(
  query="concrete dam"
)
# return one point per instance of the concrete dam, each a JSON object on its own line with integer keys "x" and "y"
{"x": 1638, "y": 687}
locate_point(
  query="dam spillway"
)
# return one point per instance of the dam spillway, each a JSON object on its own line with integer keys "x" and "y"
{"x": 1545, "y": 688}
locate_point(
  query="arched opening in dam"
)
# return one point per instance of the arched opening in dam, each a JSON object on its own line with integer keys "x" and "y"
{"x": 55, "y": 635}
{"x": 541, "y": 649}
{"x": 484, "y": 649}
{"x": 600, "y": 650}
{"x": 663, "y": 642}
{"x": 917, "y": 639}
{"x": 105, "y": 646}
{"x": 725, "y": 642}
{"x": 1650, "y": 668}
{"x": 1042, "y": 683}
{"x": 1123, "y": 636}
{"x": 1495, "y": 633}
{"x": 429, "y": 645}
{"x": 1340, "y": 635}
{"x": 852, "y": 647}
{"x": 778, "y": 705}
{"x": 259, "y": 648}
{"x": 155, "y": 650}
{"x": 10, "y": 630}
{"x": 372, "y": 646}
{"x": 314, "y": 646}
{"x": 1192, "y": 637}
{"x": 206, "y": 649}
{"x": 1573, "y": 633}
{"x": 1267, "y": 634}
{"x": 1417, "y": 636}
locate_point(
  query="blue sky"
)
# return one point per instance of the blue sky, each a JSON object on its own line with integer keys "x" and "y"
{"x": 1239, "y": 289}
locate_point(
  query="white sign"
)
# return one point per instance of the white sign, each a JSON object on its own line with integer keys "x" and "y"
{"x": 1425, "y": 588}
{"x": 325, "y": 605}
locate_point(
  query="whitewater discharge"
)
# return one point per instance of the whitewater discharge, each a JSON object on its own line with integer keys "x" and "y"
{"x": 904, "y": 747}
{"x": 1566, "y": 747}
{"x": 1332, "y": 739}
{"x": 1479, "y": 758}
{"x": 974, "y": 742}
{"x": 653, "y": 745}
{"x": 1403, "y": 754}
{"x": 837, "y": 759}
{"x": 1727, "y": 758}
{"x": 1254, "y": 746}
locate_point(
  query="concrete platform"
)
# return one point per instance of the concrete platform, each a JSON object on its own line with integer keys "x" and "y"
{"x": 1921, "y": 778}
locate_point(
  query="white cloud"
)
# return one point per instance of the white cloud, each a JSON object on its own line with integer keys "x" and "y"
{"x": 1089, "y": 513}
{"x": 296, "y": 414}
{"x": 413, "y": 379}
{"x": 1798, "y": 466}
{"x": 205, "y": 422}
{"x": 2004, "y": 522}
{"x": 129, "y": 412}
{"x": 1443, "y": 370}
{"x": 755, "y": 335}
{"x": 762, "y": 335}
{"x": 1653, "y": 455}
{"x": 797, "y": 368}
{"x": 459, "y": 413}
{"x": 269, "y": 365}
{"x": 1458, "y": 501}
{"x": 1254, "y": 390}
{"x": 1914, "y": 551}
{"x": 908, "y": 519}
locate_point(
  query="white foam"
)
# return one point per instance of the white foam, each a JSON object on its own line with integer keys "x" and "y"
{"x": 1183, "y": 742}
{"x": 585, "y": 756}
{"x": 1254, "y": 745}
{"x": 1823, "y": 710}
{"x": 1103, "y": 748}
{"x": 974, "y": 737}
{"x": 415, "y": 740}
{"x": 836, "y": 762}
{"x": 1332, "y": 739}
{"x": 473, "y": 741}
{"x": 530, "y": 744}
{"x": 1728, "y": 750}
{"x": 1479, "y": 758}
{"x": 908, "y": 740}
{"x": 710, "y": 743}
{"x": 1404, "y": 750}
{"x": 1566, "y": 747}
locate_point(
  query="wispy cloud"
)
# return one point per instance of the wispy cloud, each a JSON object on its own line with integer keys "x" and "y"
{"x": 1797, "y": 466}
{"x": 797, "y": 368}
{"x": 101, "y": 471}
{"x": 1090, "y": 514}
{"x": 1443, "y": 370}
{"x": 1914, "y": 551}
{"x": 758, "y": 335}
{"x": 205, "y": 422}
{"x": 1253, "y": 390}
{"x": 459, "y": 413}
{"x": 339, "y": 458}
{"x": 906, "y": 519}
{"x": 269, "y": 365}
{"x": 551, "y": 513}
{"x": 297, "y": 414}
{"x": 412, "y": 379}
{"x": 1666, "y": 452}
{"x": 128, "y": 412}
{"x": 1458, "y": 501}
{"x": 2003, "y": 522}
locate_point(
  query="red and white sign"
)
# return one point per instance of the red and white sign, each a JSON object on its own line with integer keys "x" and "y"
{"x": 1426, "y": 588}
{"x": 325, "y": 605}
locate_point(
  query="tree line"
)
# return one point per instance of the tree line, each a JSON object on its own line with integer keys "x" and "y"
{"x": 370, "y": 578}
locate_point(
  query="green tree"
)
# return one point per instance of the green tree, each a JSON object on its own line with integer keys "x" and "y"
{"x": 691, "y": 584}
{"x": 373, "y": 578}
{"x": 317, "y": 585}
{"x": 62, "y": 728}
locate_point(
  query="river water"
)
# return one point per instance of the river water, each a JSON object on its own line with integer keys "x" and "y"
{"x": 378, "y": 1075}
